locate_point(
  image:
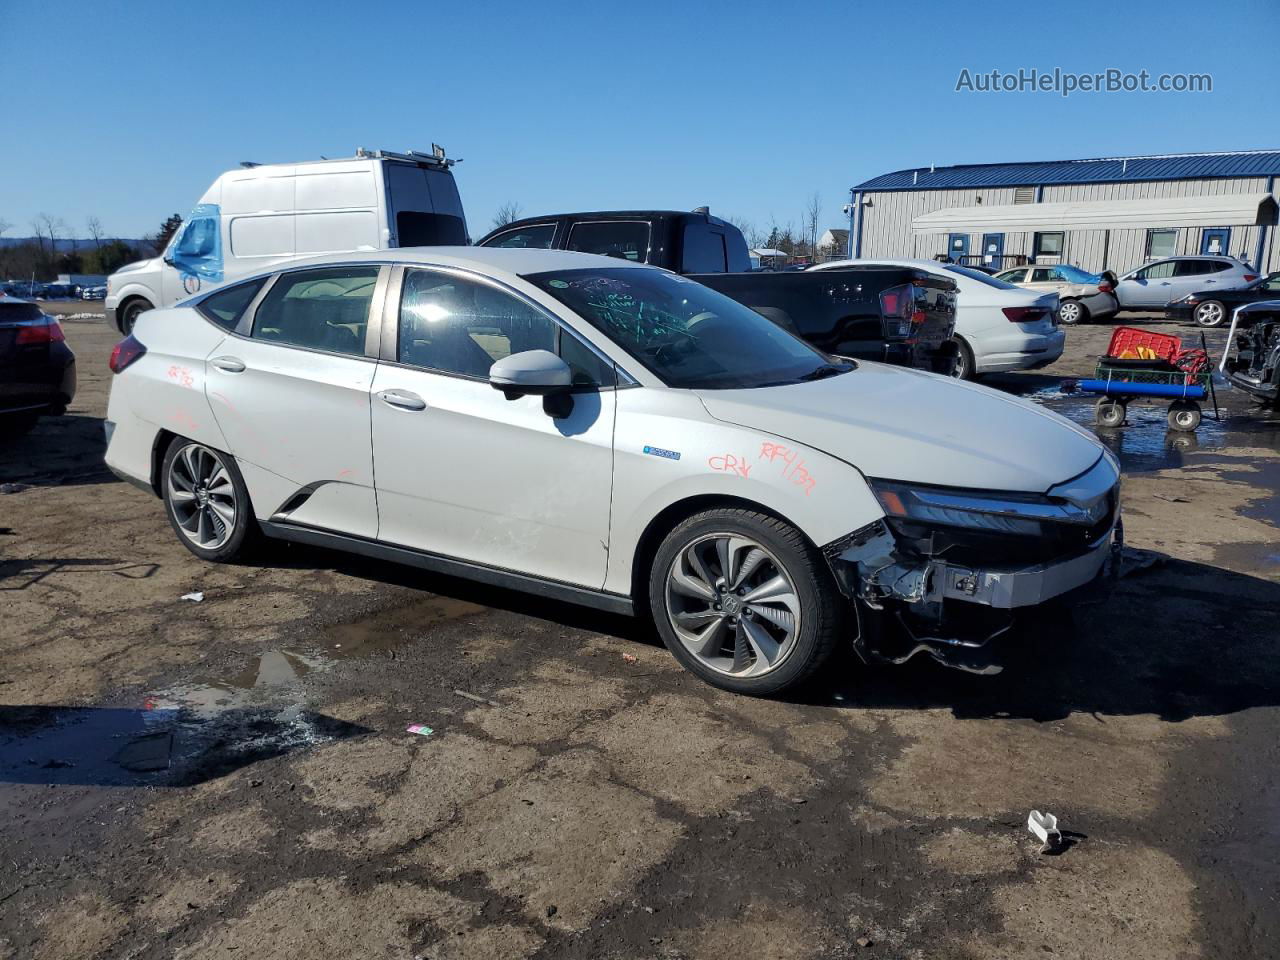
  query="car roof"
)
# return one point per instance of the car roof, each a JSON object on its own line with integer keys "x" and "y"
{"x": 516, "y": 261}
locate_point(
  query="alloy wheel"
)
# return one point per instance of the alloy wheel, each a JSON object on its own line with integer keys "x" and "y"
{"x": 732, "y": 605}
{"x": 1210, "y": 314}
{"x": 202, "y": 496}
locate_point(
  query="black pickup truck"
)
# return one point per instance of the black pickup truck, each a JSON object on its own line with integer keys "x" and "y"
{"x": 897, "y": 315}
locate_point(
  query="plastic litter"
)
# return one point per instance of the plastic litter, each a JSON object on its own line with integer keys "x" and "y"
{"x": 630, "y": 658}
{"x": 421, "y": 729}
{"x": 475, "y": 699}
{"x": 1045, "y": 827}
{"x": 195, "y": 597}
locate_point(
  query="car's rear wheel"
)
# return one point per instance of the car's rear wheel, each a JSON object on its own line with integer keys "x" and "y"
{"x": 1211, "y": 313}
{"x": 130, "y": 312}
{"x": 1072, "y": 312}
{"x": 964, "y": 367}
{"x": 207, "y": 502}
{"x": 744, "y": 601}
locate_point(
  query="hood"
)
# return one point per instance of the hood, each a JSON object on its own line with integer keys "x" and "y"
{"x": 138, "y": 265}
{"x": 908, "y": 425}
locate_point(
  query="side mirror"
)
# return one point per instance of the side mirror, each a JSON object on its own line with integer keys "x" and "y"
{"x": 531, "y": 373}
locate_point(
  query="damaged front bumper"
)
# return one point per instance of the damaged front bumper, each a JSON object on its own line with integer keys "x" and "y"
{"x": 952, "y": 611}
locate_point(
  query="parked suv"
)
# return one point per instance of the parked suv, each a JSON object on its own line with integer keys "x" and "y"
{"x": 616, "y": 435}
{"x": 1158, "y": 284}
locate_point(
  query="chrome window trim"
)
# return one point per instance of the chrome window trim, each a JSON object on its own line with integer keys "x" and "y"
{"x": 244, "y": 329}
{"x": 553, "y": 224}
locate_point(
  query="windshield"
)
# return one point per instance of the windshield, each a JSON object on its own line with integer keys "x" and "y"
{"x": 684, "y": 333}
{"x": 978, "y": 275}
{"x": 1076, "y": 275}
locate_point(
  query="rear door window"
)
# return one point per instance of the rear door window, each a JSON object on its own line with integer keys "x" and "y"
{"x": 536, "y": 236}
{"x": 1157, "y": 271}
{"x": 625, "y": 239}
{"x": 1194, "y": 268}
{"x": 704, "y": 250}
{"x": 325, "y": 309}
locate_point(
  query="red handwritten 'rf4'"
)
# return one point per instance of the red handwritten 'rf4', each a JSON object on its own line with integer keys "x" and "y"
{"x": 793, "y": 467}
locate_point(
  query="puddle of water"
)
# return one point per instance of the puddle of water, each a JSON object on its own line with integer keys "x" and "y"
{"x": 275, "y": 668}
{"x": 384, "y": 632}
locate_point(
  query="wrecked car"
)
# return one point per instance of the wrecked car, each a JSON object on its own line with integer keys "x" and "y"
{"x": 1254, "y": 366}
{"x": 615, "y": 435}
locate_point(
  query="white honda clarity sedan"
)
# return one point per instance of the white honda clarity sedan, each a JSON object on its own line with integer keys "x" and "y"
{"x": 616, "y": 435}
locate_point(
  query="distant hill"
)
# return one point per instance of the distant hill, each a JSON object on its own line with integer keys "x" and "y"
{"x": 65, "y": 245}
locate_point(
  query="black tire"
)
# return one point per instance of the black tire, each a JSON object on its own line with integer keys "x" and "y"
{"x": 823, "y": 610}
{"x": 964, "y": 367}
{"x": 1184, "y": 416}
{"x": 1210, "y": 314}
{"x": 1109, "y": 412}
{"x": 1072, "y": 313}
{"x": 130, "y": 311}
{"x": 244, "y": 532}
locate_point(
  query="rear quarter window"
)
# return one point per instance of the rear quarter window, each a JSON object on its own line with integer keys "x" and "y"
{"x": 704, "y": 250}
{"x": 226, "y": 307}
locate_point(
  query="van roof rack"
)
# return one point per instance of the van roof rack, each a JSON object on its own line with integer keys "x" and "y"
{"x": 436, "y": 156}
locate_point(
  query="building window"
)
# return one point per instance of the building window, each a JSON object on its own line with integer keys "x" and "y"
{"x": 1048, "y": 244}
{"x": 1161, "y": 243}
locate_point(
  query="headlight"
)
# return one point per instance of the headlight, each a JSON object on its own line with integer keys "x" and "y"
{"x": 1083, "y": 501}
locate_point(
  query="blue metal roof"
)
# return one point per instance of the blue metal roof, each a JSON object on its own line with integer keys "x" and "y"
{"x": 1181, "y": 166}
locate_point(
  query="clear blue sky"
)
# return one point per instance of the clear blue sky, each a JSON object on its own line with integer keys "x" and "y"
{"x": 128, "y": 110}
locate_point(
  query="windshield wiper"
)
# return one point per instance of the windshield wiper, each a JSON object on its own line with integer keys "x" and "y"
{"x": 824, "y": 371}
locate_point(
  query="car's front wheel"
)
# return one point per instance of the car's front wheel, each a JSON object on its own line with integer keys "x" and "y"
{"x": 744, "y": 601}
{"x": 207, "y": 501}
{"x": 1211, "y": 313}
{"x": 130, "y": 312}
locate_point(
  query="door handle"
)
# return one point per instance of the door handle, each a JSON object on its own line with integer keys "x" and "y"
{"x": 228, "y": 364}
{"x": 404, "y": 399}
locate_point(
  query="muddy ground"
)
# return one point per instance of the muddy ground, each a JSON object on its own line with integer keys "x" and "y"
{"x": 233, "y": 777}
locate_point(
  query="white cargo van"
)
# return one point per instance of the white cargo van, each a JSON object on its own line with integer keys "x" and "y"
{"x": 261, "y": 214}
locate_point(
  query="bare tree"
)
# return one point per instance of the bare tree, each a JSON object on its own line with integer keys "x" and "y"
{"x": 812, "y": 217}
{"x": 94, "y": 226}
{"x": 509, "y": 212}
{"x": 754, "y": 236}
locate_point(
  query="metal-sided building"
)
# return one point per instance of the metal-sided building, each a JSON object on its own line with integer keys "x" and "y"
{"x": 1115, "y": 213}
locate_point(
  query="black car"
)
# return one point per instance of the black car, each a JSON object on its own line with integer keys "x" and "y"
{"x": 37, "y": 368}
{"x": 1213, "y": 308}
{"x": 1255, "y": 365}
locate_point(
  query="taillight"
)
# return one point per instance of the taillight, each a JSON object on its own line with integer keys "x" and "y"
{"x": 1250, "y": 277}
{"x": 894, "y": 301}
{"x": 1105, "y": 287}
{"x": 50, "y": 332}
{"x": 1023, "y": 314}
{"x": 126, "y": 352}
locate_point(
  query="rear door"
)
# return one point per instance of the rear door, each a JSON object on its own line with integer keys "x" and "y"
{"x": 625, "y": 239}
{"x": 423, "y": 206}
{"x": 290, "y": 391}
{"x": 465, "y": 473}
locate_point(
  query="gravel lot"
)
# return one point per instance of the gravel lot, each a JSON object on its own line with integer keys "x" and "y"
{"x": 232, "y": 778}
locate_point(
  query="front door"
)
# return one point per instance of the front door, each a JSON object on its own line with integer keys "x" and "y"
{"x": 292, "y": 399}
{"x": 1214, "y": 241}
{"x": 1148, "y": 287}
{"x": 993, "y": 250}
{"x": 957, "y": 247}
{"x": 466, "y": 473}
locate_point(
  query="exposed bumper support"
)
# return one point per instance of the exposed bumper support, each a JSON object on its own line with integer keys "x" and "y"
{"x": 916, "y": 594}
